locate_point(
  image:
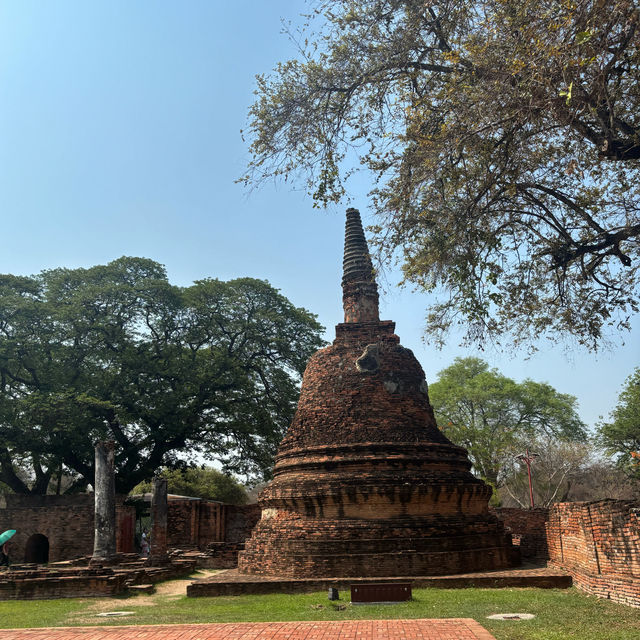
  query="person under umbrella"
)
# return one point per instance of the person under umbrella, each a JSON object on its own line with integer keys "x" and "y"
{"x": 4, "y": 548}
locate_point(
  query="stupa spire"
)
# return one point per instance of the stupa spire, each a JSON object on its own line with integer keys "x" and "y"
{"x": 359, "y": 288}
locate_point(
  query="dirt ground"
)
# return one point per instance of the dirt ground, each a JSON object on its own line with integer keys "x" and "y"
{"x": 170, "y": 590}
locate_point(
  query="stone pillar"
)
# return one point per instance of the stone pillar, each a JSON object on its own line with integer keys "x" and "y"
{"x": 104, "y": 492}
{"x": 159, "y": 509}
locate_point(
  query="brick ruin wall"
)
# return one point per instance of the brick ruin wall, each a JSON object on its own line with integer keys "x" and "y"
{"x": 527, "y": 529}
{"x": 241, "y": 519}
{"x": 67, "y": 524}
{"x": 65, "y": 521}
{"x": 195, "y": 522}
{"x": 598, "y": 543}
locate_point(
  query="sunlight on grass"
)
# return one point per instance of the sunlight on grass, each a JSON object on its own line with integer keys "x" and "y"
{"x": 559, "y": 613}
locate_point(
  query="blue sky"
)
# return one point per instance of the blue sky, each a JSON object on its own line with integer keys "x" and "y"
{"x": 120, "y": 135}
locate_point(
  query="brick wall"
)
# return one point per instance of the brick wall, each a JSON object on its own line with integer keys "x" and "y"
{"x": 195, "y": 522}
{"x": 67, "y": 524}
{"x": 65, "y": 521}
{"x": 599, "y": 544}
{"x": 528, "y": 531}
{"x": 241, "y": 519}
{"x": 213, "y": 517}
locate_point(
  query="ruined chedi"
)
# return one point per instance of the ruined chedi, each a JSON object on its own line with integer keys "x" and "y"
{"x": 364, "y": 482}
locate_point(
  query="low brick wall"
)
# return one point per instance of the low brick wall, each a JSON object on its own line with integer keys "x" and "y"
{"x": 528, "y": 531}
{"x": 76, "y": 583}
{"x": 599, "y": 544}
{"x": 223, "y": 555}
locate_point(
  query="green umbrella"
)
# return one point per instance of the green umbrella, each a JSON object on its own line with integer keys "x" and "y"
{"x": 7, "y": 535}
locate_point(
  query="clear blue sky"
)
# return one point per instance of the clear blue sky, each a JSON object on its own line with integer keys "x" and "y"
{"x": 120, "y": 135}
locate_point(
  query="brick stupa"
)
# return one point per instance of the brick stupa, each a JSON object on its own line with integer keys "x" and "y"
{"x": 364, "y": 483}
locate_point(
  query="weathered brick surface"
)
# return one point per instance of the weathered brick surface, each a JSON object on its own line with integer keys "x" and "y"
{"x": 364, "y": 483}
{"x": 222, "y": 555}
{"x": 527, "y": 529}
{"x": 599, "y": 544}
{"x": 240, "y": 521}
{"x": 82, "y": 581}
{"x": 66, "y": 521}
{"x": 72, "y": 583}
{"x": 233, "y": 583}
{"x": 195, "y": 522}
{"x": 182, "y": 522}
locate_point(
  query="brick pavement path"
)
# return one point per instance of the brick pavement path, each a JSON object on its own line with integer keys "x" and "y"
{"x": 444, "y": 629}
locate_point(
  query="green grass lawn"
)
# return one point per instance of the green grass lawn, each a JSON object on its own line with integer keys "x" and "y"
{"x": 560, "y": 613}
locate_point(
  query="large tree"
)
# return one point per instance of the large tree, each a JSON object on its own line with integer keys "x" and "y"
{"x": 621, "y": 435}
{"x": 504, "y": 136}
{"x": 496, "y": 418}
{"x": 116, "y": 352}
{"x": 200, "y": 482}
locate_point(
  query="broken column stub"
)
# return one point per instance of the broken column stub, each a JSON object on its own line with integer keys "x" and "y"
{"x": 365, "y": 484}
{"x": 159, "y": 511}
{"x": 104, "y": 543}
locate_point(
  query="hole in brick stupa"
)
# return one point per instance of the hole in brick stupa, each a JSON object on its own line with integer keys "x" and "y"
{"x": 365, "y": 484}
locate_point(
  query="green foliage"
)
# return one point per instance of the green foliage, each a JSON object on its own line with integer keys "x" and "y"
{"x": 117, "y": 352}
{"x": 621, "y": 436}
{"x": 200, "y": 482}
{"x": 504, "y": 140}
{"x": 495, "y": 418}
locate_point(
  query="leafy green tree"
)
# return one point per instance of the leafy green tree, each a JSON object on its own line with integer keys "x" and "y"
{"x": 200, "y": 482}
{"x": 494, "y": 417}
{"x": 117, "y": 352}
{"x": 504, "y": 138}
{"x": 621, "y": 436}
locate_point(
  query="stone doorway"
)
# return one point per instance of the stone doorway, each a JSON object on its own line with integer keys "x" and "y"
{"x": 37, "y": 549}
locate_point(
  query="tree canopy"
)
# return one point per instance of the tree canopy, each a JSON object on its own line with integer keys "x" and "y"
{"x": 117, "y": 352}
{"x": 200, "y": 482}
{"x": 621, "y": 435}
{"x": 496, "y": 418}
{"x": 504, "y": 138}
{"x": 557, "y": 466}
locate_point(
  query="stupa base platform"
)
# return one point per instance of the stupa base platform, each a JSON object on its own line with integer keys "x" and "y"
{"x": 234, "y": 583}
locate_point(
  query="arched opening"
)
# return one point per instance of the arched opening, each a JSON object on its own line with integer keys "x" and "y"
{"x": 37, "y": 549}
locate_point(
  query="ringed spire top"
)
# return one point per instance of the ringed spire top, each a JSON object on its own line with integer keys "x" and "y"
{"x": 359, "y": 288}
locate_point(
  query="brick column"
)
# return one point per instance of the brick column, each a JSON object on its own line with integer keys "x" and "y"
{"x": 104, "y": 544}
{"x": 159, "y": 509}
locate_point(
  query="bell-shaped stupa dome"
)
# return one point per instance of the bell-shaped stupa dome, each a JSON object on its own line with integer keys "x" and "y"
{"x": 365, "y": 484}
